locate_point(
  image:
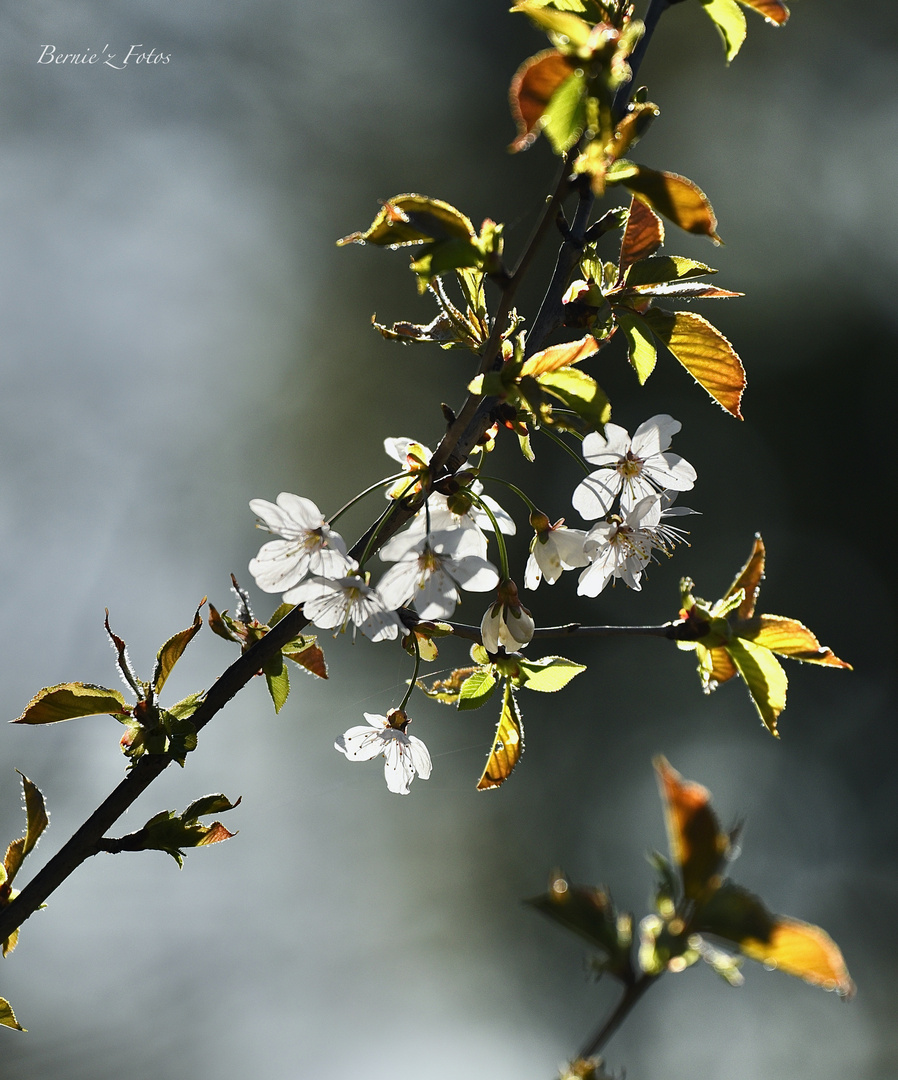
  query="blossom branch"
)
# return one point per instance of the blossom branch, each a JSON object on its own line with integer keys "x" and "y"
{"x": 677, "y": 630}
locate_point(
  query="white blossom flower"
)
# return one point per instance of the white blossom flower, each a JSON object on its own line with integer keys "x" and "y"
{"x": 447, "y": 514}
{"x": 309, "y": 545}
{"x": 404, "y": 755}
{"x": 430, "y": 574}
{"x": 554, "y": 548}
{"x": 622, "y": 547}
{"x": 335, "y": 602}
{"x": 411, "y": 455}
{"x": 633, "y": 469}
{"x": 506, "y": 623}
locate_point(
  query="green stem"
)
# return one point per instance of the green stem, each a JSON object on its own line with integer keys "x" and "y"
{"x": 361, "y": 495}
{"x": 632, "y": 994}
{"x": 531, "y": 506}
{"x": 500, "y": 539}
{"x": 414, "y": 682}
{"x": 549, "y": 433}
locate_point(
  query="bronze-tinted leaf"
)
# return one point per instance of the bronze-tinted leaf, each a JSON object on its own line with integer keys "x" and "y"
{"x": 676, "y": 197}
{"x": 705, "y": 353}
{"x": 643, "y": 235}
{"x": 310, "y": 657}
{"x": 773, "y": 10}
{"x": 532, "y": 87}
{"x": 749, "y": 579}
{"x": 507, "y": 747}
{"x": 698, "y": 845}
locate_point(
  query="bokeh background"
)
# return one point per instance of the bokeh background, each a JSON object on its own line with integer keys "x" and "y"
{"x": 181, "y": 335}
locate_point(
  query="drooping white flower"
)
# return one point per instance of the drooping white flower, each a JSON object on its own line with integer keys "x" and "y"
{"x": 452, "y": 514}
{"x": 622, "y": 547}
{"x": 430, "y": 574}
{"x": 309, "y": 545}
{"x": 507, "y": 623}
{"x": 554, "y": 548}
{"x": 633, "y": 469}
{"x": 332, "y": 603}
{"x": 411, "y": 455}
{"x": 404, "y": 755}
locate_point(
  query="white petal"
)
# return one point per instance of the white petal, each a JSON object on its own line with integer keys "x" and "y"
{"x": 654, "y": 435}
{"x": 532, "y": 573}
{"x": 398, "y": 771}
{"x": 594, "y": 496}
{"x": 615, "y": 442}
{"x": 420, "y": 757}
{"x": 361, "y": 743}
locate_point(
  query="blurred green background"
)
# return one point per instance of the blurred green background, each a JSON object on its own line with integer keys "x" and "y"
{"x": 181, "y": 335}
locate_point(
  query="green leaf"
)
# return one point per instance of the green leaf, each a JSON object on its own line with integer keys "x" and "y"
{"x": 208, "y": 804}
{"x": 729, "y": 19}
{"x": 187, "y": 706}
{"x": 564, "y": 117}
{"x": 413, "y": 219}
{"x": 640, "y": 343}
{"x": 563, "y": 23}
{"x": 548, "y": 674}
{"x": 764, "y": 677}
{"x": 532, "y": 88}
{"x": 124, "y": 661}
{"x": 277, "y": 679}
{"x": 65, "y": 701}
{"x": 705, "y": 353}
{"x": 8, "y": 1017}
{"x": 477, "y": 689}
{"x": 580, "y": 393}
{"x": 172, "y": 650}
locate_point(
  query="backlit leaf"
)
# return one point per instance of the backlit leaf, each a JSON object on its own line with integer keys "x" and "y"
{"x": 698, "y": 846}
{"x": 580, "y": 393}
{"x": 789, "y": 637}
{"x": 778, "y": 941}
{"x": 575, "y": 29}
{"x": 749, "y": 579}
{"x": 641, "y": 350}
{"x": 674, "y": 196}
{"x": 532, "y": 87}
{"x": 663, "y": 268}
{"x": 8, "y": 1017}
{"x": 477, "y": 689}
{"x": 801, "y": 949}
{"x": 773, "y": 10}
{"x": 560, "y": 356}
{"x": 565, "y": 115}
{"x": 308, "y": 655}
{"x": 66, "y": 701}
{"x": 507, "y": 747}
{"x": 729, "y": 19}
{"x": 548, "y": 674}
{"x": 277, "y": 679}
{"x": 173, "y": 649}
{"x": 643, "y": 235}
{"x": 36, "y": 821}
{"x": 705, "y": 353}
{"x": 413, "y": 219}
{"x": 764, "y": 677}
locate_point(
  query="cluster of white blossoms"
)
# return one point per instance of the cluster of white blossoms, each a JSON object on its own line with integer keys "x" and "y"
{"x": 443, "y": 552}
{"x": 630, "y": 493}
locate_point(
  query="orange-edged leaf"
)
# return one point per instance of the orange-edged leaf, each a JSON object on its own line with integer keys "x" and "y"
{"x": 764, "y": 677}
{"x": 698, "y": 845}
{"x": 803, "y": 950}
{"x": 65, "y": 701}
{"x": 307, "y": 654}
{"x": 714, "y": 666}
{"x": 532, "y": 87}
{"x": 643, "y": 235}
{"x": 413, "y": 219}
{"x": 560, "y": 356}
{"x": 773, "y": 10}
{"x": 507, "y": 747}
{"x": 749, "y": 578}
{"x": 793, "y": 946}
{"x": 705, "y": 353}
{"x": 789, "y": 637}
{"x": 215, "y": 833}
{"x": 172, "y": 650}
{"x": 674, "y": 196}
{"x": 8, "y": 1017}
